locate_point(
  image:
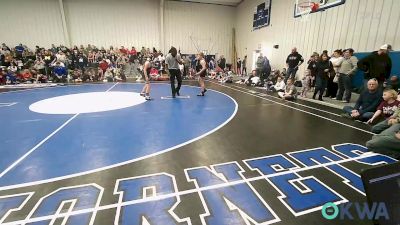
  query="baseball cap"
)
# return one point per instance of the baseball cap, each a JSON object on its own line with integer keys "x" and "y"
{"x": 386, "y": 47}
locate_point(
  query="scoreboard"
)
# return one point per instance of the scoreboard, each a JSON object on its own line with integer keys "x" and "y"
{"x": 261, "y": 17}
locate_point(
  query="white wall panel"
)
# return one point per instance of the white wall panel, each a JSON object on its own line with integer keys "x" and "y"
{"x": 193, "y": 26}
{"x": 105, "y": 23}
{"x": 361, "y": 24}
{"x": 30, "y": 22}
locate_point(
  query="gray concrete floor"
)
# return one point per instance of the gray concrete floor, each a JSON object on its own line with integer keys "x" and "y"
{"x": 330, "y": 102}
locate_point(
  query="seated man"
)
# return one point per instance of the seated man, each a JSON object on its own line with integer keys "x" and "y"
{"x": 387, "y": 142}
{"x": 290, "y": 92}
{"x": 366, "y": 104}
{"x": 60, "y": 73}
{"x": 393, "y": 83}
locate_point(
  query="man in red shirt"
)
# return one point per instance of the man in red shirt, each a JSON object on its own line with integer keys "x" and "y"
{"x": 132, "y": 51}
{"x": 123, "y": 50}
{"x": 103, "y": 65}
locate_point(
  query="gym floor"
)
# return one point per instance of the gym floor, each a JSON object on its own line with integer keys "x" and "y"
{"x": 100, "y": 154}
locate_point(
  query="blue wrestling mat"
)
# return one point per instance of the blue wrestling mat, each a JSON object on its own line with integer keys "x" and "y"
{"x": 54, "y": 133}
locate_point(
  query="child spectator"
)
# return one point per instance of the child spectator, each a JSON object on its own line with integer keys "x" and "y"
{"x": 387, "y": 108}
{"x": 306, "y": 83}
{"x": 279, "y": 85}
{"x": 290, "y": 91}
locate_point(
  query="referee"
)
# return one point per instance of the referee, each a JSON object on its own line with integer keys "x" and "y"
{"x": 172, "y": 62}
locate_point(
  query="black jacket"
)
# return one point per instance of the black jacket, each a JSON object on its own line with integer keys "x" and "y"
{"x": 376, "y": 66}
{"x": 293, "y": 59}
{"x": 322, "y": 66}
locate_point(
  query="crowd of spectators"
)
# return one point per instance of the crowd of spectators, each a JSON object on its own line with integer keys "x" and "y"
{"x": 330, "y": 76}
{"x": 20, "y": 64}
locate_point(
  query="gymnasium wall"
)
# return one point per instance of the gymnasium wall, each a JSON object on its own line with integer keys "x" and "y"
{"x": 121, "y": 22}
{"x": 193, "y": 27}
{"x": 188, "y": 26}
{"x": 30, "y": 22}
{"x": 361, "y": 24}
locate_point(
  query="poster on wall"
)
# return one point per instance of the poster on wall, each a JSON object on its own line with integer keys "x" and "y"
{"x": 261, "y": 17}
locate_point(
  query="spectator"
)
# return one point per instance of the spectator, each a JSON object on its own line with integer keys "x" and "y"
{"x": 377, "y": 65}
{"x": 82, "y": 62}
{"x": 336, "y": 61}
{"x": 347, "y": 69}
{"x": 61, "y": 57}
{"x": 211, "y": 64}
{"x": 266, "y": 70}
{"x": 312, "y": 66}
{"x": 132, "y": 52}
{"x": 387, "y": 108}
{"x": 366, "y": 104}
{"x": 279, "y": 85}
{"x": 39, "y": 66}
{"x": 2, "y": 58}
{"x": 186, "y": 63}
{"x": 222, "y": 62}
{"x": 121, "y": 61}
{"x": 13, "y": 68}
{"x": 60, "y": 72}
{"x": 4, "y": 47}
{"x": 293, "y": 61}
{"x": 290, "y": 91}
{"x": 238, "y": 67}
{"x": 11, "y": 78}
{"x": 2, "y": 77}
{"x": 123, "y": 50}
{"x": 77, "y": 75}
{"x": 19, "y": 49}
{"x": 25, "y": 76}
{"x": 394, "y": 84}
{"x": 250, "y": 80}
{"x": 108, "y": 76}
{"x": 103, "y": 65}
{"x": 394, "y": 119}
{"x": 387, "y": 142}
{"x": 244, "y": 66}
{"x": 91, "y": 57}
{"x": 306, "y": 83}
{"x": 48, "y": 59}
{"x": 324, "y": 68}
{"x": 40, "y": 77}
{"x": 260, "y": 65}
